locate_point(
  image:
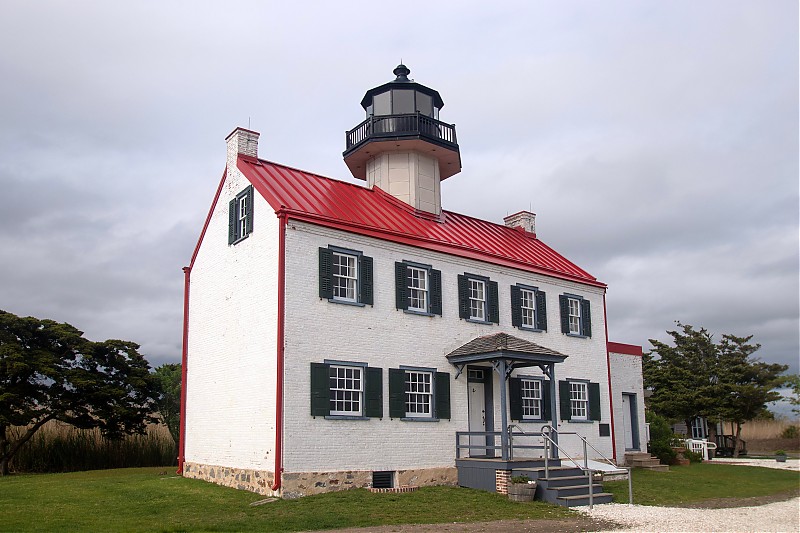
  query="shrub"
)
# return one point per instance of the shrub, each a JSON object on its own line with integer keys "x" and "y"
{"x": 694, "y": 457}
{"x": 520, "y": 479}
{"x": 791, "y": 432}
{"x": 660, "y": 438}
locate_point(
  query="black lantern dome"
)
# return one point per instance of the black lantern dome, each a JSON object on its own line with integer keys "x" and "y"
{"x": 402, "y": 115}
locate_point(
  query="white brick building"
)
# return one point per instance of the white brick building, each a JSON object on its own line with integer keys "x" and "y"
{"x": 343, "y": 336}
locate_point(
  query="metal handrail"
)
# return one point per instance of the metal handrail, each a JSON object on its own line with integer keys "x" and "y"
{"x": 548, "y": 441}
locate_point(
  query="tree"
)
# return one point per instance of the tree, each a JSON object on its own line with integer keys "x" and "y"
{"x": 681, "y": 376}
{"x": 49, "y": 371}
{"x": 168, "y": 397}
{"x": 745, "y": 385}
{"x": 793, "y": 382}
{"x": 719, "y": 381}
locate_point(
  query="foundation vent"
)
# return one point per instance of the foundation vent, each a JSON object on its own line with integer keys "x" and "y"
{"x": 383, "y": 480}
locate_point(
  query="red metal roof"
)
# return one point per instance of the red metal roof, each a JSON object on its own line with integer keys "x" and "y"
{"x": 627, "y": 349}
{"x": 373, "y": 212}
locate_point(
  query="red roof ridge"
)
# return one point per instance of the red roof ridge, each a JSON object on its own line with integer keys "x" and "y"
{"x": 251, "y": 159}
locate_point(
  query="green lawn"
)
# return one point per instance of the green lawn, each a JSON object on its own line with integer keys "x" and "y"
{"x": 695, "y": 483}
{"x": 142, "y": 500}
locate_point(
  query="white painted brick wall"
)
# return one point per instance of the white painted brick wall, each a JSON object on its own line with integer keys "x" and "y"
{"x": 231, "y": 371}
{"x": 626, "y": 377}
{"x": 385, "y": 337}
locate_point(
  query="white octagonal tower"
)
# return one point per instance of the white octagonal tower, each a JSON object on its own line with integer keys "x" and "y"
{"x": 402, "y": 147}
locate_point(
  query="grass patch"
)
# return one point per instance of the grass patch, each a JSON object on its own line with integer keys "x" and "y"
{"x": 142, "y": 500}
{"x": 697, "y": 483}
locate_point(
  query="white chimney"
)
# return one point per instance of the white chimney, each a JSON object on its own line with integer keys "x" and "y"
{"x": 524, "y": 220}
{"x": 242, "y": 141}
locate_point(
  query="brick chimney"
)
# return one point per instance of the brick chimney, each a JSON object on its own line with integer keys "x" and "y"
{"x": 241, "y": 141}
{"x": 524, "y": 220}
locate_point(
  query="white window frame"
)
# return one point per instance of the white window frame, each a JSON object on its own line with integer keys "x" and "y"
{"x": 477, "y": 299}
{"x": 579, "y": 400}
{"x": 351, "y": 278}
{"x": 242, "y": 210}
{"x": 527, "y": 298}
{"x": 419, "y": 294}
{"x": 531, "y": 391}
{"x": 419, "y": 393}
{"x": 574, "y": 306}
{"x": 346, "y": 390}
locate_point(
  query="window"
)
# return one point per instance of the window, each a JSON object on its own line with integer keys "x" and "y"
{"x": 528, "y": 308}
{"x": 529, "y": 398}
{"x": 345, "y": 276}
{"x": 576, "y": 316}
{"x": 240, "y": 216}
{"x": 419, "y": 394}
{"x": 342, "y": 389}
{"x": 478, "y": 299}
{"x": 418, "y": 288}
{"x": 579, "y": 400}
{"x": 345, "y": 390}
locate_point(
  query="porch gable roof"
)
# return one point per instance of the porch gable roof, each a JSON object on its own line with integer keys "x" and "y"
{"x": 504, "y": 346}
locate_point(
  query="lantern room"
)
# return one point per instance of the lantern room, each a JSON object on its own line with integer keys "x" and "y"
{"x": 402, "y": 133}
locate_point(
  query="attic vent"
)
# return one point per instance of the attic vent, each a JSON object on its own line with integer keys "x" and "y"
{"x": 383, "y": 480}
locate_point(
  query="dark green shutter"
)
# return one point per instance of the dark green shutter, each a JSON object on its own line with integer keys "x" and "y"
{"x": 516, "y": 307}
{"x": 494, "y": 302}
{"x": 541, "y": 311}
{"x": 400, "y": 296}
{"x": 366, "y": 280}
{"x": 232, "y": 221}
{"x": 547, "y": 401}
{"x": 325, "y": 275}
{"x": 250, "y": 206}
{"x": 586, "y": 318}
{"x": 436, "y": 292}
{"x": 515, "y": 397}
{"x": 397, "y": 393}
{"x": 373, "y": 392}
{"x": 594, "y": 401}
{"x": 442, "y": 405}
{"x": 563, "y": 302}
{"x": 320, "y": 389}
{"x": 564, "y": 404}
{"x": 463, "y": 296}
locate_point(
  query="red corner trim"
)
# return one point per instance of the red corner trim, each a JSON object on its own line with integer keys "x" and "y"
{"x": 208, "y": 218}
{"x": 627, "y": 349}
{"x": 182, "y": 437}
{"x": 610, "y": 393}
{"x": 280, "y": 351}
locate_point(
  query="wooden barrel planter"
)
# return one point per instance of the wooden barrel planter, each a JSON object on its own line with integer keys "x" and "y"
{"x": 521, "y": 492}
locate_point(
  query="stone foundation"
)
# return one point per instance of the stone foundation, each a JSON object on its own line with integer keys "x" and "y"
{"x": 298, "y": 484}
{"x": 258, "y": 481}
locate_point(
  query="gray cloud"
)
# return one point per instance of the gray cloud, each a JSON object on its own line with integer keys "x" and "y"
{"x": 656, "y": 141}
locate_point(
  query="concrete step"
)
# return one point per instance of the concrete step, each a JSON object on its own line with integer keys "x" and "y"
{"x": 578, "y": 501}
{"x": 638, "y": 463}
{"x": 656, "y": 468}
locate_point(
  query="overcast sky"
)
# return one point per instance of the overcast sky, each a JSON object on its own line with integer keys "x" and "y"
{"x": 656, "y": 141}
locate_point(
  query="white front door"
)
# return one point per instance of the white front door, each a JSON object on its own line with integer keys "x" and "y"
{"x": 627, "y": 422}
{"x": 477, "y": 417}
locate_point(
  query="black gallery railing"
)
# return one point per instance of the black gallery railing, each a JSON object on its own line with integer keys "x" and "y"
{"x": 412, "y": 124}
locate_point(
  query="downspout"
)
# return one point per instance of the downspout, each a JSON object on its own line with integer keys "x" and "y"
{"x": 610, "y": 393}
{"x": 280, "y": 349}
{"x": 182, "y": 437}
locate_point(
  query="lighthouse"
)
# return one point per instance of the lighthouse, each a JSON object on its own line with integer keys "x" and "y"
{"x": 402, "y": 147}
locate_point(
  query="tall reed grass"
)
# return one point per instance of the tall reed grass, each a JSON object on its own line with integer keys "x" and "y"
{"x": 59, "y": 447}
{"x": 765, "y": 429}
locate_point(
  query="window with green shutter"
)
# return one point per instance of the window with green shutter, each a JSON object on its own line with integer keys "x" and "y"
{"x": 418, "y": 288}
{"x": 576, "y": 315}
{"x": 528, "y": 308}
{"x": 529, "y": 398}
{"x": 579, "y": 400}
{"x": 345, "y": 276}
{"x": 478, "y": 299}
{"x": 240, "y": 216}
{"x": 419, "y": 394}
{"x": 342, "y": 389}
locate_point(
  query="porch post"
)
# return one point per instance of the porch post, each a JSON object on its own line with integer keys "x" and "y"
{"x": 503, "y": 415}
{"x": 554, "y": 404}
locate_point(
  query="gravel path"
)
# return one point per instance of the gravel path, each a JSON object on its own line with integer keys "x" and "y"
{"x": 777, "y": 516}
